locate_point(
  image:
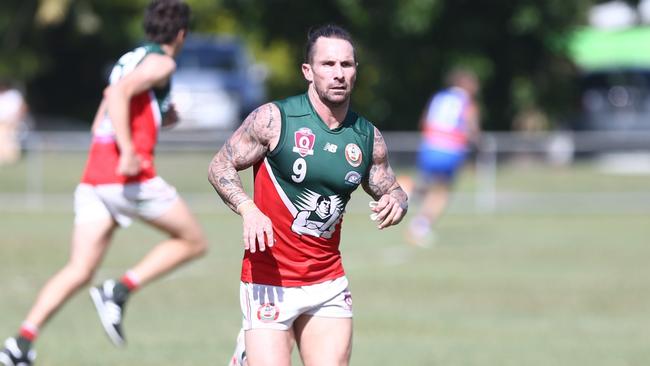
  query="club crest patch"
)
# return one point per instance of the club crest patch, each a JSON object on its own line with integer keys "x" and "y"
{"x": 268, "y": 312}
{"x": 353, "y": 154}
{"x": 304, "y": 140}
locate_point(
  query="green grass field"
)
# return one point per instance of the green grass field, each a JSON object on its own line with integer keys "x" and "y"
{"x": 499, "y": 289}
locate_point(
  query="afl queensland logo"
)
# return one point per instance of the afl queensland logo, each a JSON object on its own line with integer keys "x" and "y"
{"x": 304, "y": 141}
{"x": 353, "y": 178}
{"x": 353, "y": 154}
{"x": 268, "y": 312}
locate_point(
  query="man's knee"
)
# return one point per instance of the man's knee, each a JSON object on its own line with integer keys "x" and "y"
{"x": 197, "y": 244}
{"x": 200, "y": 246}
{"x": 79, "y": 274}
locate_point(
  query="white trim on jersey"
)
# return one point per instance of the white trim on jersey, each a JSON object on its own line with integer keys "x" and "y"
{"x": 155, "y": 108}
{"x": 283, "y": 196}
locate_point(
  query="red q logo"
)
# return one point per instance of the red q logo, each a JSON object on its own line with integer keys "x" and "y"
{"x": 304, "y": 141}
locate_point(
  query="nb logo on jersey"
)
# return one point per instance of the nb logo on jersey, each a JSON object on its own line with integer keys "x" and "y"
{"x": 330, "y": 147}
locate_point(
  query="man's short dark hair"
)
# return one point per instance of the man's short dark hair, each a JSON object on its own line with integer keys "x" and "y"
{"x": 323, "y": 198}
{"x": 163, "y": 19}
{"x": 327, "y": 31}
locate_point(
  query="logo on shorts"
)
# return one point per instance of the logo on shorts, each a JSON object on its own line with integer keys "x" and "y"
{"x": 304, "y": 141}
{"x": 268, "y": 312}
{"x": 353, "y": 154}
{"x": 347, "y": 298}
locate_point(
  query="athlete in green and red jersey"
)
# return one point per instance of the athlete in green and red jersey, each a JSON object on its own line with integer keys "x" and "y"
{"x": 120, "y": 184}
{"x": 309, "y": 153}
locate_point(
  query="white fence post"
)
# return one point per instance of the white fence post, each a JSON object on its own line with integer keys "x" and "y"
{"x": 486, "y": 166}
{"x": 34, "y": 171}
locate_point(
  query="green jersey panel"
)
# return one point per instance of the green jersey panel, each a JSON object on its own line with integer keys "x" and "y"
{"x": 312, "y": 158}
{"x": 303, "y": 186}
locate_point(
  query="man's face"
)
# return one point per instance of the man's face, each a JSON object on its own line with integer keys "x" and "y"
{"x": 324, "y": 206}
{"x": 333, "y": 70}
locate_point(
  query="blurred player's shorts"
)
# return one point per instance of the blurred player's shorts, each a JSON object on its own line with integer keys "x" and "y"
{"x": 439, "y": 164}
{"x": 124, "y": 202}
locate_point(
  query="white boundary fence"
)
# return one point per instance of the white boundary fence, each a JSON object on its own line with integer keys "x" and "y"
{"x": 632, "y": 155}
{"x": 624, "y": 153}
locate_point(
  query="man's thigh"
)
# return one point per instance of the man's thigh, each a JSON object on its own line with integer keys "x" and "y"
{"x": 268, "y": 347}
{"x": 324, "y": 341}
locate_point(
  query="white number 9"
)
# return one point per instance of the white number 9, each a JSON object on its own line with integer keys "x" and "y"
{"x": 299, "y": 170}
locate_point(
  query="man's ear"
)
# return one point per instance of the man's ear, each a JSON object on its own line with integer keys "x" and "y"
{"x": 181, "y": 35}
{"x": 307, "y": 72}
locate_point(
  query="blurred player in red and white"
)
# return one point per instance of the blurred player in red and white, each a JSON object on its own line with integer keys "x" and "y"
{"x": 450, "y": 125}
{"x": 120, "y": 183}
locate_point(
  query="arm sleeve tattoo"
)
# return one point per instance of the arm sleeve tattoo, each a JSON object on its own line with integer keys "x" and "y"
{"x": 247, "y": 146}
{"x": 381, "y": 179}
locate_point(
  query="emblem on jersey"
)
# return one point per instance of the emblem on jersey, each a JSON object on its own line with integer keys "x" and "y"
{"x": 330, "y": 147}
{"x": 268, "y": 312}
{"x": 304, "y": 141}
{"x": 353, "y": 154}
{"x": 317, "y": 215}
{"x": 353, "y": 178}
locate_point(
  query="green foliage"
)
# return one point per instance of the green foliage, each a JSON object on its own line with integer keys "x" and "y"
{"x": 404, "y": 49}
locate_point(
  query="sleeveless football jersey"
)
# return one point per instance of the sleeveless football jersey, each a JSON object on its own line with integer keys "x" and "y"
{"x": 146, "y": 112}
{"x": 303, "y": 186}
{"x": 445, "y": 125}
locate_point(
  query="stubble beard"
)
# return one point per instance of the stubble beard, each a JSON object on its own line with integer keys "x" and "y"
{"x": 332, "y": 101}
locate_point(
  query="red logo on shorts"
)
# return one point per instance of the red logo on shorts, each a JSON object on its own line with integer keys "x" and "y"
{"x": 304, "y": 140}
{"x": 268, "y": 312}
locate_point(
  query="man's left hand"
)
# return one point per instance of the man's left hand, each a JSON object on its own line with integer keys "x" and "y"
{"x": 388, "y": 211}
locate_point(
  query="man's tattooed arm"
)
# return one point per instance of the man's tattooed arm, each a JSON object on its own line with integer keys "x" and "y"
{"x": 381, "y": 179}
{"x": 248, "y": 145}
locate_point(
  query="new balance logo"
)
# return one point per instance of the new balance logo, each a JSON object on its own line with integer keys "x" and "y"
{"x": 330, "y": 147}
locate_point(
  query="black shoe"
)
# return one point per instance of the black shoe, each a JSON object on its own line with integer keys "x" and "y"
{"x": 11, "y": 355}
{"x": 239, "y": 356}
{"x": 110, "y": 311}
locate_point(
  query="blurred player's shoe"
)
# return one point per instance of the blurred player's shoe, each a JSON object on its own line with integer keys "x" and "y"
{"x": 110, "y": 311}
{"x": 420, "y": 233}
{"x": 11, "y": 355}
{"x": 239, "y": 356}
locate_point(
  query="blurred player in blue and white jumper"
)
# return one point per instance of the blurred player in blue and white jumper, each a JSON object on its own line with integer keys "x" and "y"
{"x": 450, "y": 126}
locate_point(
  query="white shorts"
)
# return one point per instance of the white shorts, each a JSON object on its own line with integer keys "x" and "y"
{"x": 274, "y": 307}
{"x": 123, "y": 202}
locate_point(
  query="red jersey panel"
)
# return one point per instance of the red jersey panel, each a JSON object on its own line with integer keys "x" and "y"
{"x": 104, "y": 154}
{"x": 294, "y": 260}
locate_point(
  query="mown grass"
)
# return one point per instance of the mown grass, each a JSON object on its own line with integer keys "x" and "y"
{"x": 496, "y": 289}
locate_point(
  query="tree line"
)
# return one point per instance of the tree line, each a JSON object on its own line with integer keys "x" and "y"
{"x": 61, "y": 54}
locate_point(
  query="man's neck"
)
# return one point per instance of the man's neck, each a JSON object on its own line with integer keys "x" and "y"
{"x": 169, "y": 50}
{"x": 333, "y": 116}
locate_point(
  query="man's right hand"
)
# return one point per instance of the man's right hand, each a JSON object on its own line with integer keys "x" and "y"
{"x": 129, "y": 164}
{"x": 257, "y": 227}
